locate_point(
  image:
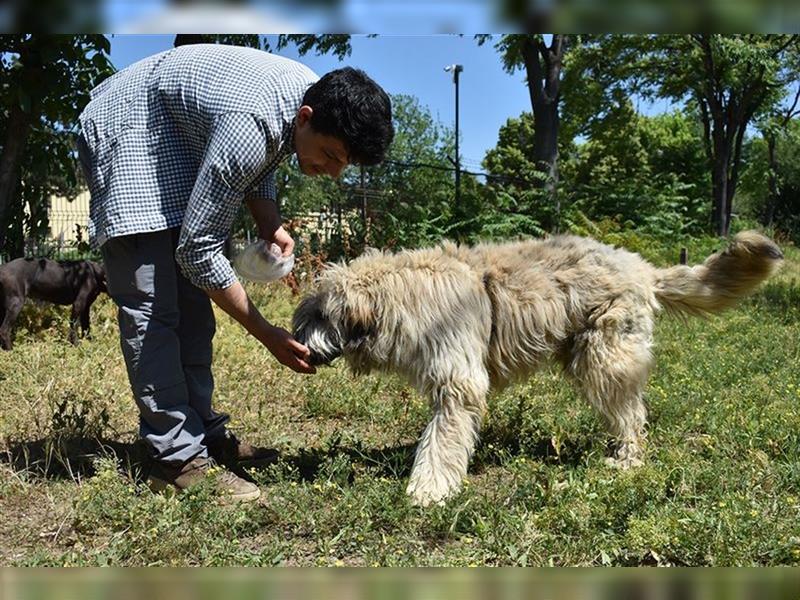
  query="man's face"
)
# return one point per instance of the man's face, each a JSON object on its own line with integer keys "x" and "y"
{"x": 317, "y": 154}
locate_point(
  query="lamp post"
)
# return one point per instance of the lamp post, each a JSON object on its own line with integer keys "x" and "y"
{"x": 456, "y": 69}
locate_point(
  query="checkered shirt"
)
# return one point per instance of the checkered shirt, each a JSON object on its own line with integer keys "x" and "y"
{"x": 178, "y": 139}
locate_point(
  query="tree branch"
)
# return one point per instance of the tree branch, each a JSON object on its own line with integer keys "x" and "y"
{"x": 790, "y": 113}
{"x": 706, "y": 129}
{"x": 533, "y": 69}
{"x": 791, "y": 39}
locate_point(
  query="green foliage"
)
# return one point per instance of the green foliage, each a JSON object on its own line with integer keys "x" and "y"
{"x": 337, "y": 44}
{"x": 408, "y": 198}
{"x": 756, "y": 193}
{"x": 71, "y": 66}
{"x": 645, "y": 172}
{"x": 514, "y": 203}
{"x": 490, "y": 215}
{"x": 730, "y": 79}
{"x": 415, "y": 182}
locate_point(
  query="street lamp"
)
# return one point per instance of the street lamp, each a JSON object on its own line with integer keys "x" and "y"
{"x": 456, "y": 69}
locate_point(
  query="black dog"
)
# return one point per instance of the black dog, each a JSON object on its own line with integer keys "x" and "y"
{"x": 63, "y": 282}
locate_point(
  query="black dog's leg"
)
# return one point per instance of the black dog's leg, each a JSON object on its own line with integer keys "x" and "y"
{"x": 85, "y": 314}
{"x": 74, "y": 317}
{"x": 13, "y": 306}
{"x": 80, "y": 311}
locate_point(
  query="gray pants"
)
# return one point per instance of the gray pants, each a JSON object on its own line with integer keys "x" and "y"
{"x": 166, "y": 326}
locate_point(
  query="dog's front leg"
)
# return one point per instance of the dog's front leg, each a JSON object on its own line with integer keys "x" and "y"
{"x": 13, "y": 306}
{"x": 448, "y": 441}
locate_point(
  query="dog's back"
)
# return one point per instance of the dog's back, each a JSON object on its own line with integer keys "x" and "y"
{"x": 59, "y": 281}
{"x": 17, "y": 275}
{"x": 546, "y": 292}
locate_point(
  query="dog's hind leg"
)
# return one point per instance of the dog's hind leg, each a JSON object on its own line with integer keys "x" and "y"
{"x": 611, "y": 362}
{"x": 448, "y": 441}
{"x": 83, "y": 305}
{"x": 79, "y": 314}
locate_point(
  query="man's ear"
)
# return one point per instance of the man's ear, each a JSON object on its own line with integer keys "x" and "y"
{"x": 304, "y": 114}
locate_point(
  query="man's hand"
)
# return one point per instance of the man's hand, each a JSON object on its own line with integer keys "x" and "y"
{"x": 234, "y": 301}
{"x": 283, "y": 240}
{"x": 289, "y": 351}
{"x": 268, "y": 220}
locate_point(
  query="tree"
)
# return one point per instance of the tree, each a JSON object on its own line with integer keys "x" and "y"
{"x": 741, "y": 77}
{"x": 771, "y": 129}
{"x": 646, "y": 172}
{"x": 543, "y": 64}
{"x": 413, "y": 205}
{"x": 512, "y": 174}
{"x": 46, "y": 81}
{"x": 771, "y": 182}
{"x": 728, "y": 79}
{"x": 775, "y": 124}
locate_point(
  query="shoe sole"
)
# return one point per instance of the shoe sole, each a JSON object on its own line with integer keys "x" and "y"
{"x": 159, "y": 486}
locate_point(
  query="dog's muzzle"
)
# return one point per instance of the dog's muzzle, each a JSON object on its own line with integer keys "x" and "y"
{"x": 318, "y": 358}
{"x": 323, "y": 345}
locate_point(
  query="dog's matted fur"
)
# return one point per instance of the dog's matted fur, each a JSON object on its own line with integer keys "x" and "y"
{"x": 460, "y": 321}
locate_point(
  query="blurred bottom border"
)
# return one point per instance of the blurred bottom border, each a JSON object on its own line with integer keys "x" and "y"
{"x": 400, "y": 584}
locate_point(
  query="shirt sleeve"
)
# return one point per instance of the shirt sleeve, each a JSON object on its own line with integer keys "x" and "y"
{"x": 266, "y": 188}
{"x": 236, "y": 154}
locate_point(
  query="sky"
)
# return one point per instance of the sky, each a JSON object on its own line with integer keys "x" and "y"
{"x": 414, "y": 65}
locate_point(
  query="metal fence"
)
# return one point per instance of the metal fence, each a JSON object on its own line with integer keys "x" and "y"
{"x": 64, "y": 233}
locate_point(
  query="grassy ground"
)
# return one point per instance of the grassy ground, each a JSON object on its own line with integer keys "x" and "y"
{"x": 721, "y": 485}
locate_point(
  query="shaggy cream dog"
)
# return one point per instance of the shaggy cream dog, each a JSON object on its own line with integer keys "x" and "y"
{"x": 460, "y": 321}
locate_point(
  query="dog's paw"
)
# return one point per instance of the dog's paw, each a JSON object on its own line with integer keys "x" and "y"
{"x": 623, "y": 463}
{"x": 627, "y": 456}
{"x": 429, "y": 495}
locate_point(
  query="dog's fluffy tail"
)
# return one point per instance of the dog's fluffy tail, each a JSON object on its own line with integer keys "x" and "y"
{"x": 722, "y": 279}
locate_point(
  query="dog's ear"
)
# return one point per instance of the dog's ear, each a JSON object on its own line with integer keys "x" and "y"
{"x": 360, "y": 316}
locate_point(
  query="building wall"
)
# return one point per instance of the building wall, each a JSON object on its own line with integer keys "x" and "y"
{"x": 64, "y": 215}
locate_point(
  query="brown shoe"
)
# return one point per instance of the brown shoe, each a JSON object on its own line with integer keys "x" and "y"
{"x": 229, "y": 451}
{"x": 229, "y": 486}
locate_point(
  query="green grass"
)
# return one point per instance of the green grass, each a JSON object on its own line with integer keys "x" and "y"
{"x": 721, "y": 484}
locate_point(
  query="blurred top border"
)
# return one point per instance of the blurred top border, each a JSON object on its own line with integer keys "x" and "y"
{"x": 411, "y": 17}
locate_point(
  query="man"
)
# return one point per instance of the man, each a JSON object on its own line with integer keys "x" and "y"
{"x": 171, "y": 147}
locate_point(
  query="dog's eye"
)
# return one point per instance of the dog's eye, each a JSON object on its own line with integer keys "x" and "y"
{"x": 319, "y": 316}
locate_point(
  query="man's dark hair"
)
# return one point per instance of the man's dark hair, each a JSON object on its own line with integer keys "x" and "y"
{"x": 351, "y": 107}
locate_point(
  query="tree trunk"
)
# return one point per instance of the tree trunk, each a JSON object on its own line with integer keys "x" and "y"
{"x": 17, "y": 129}
{"x": 772, "y": 162}
{"x": 719, "y": 181}
{"x": 28, "y": 85}
{"x": 719, "y": 189}
{"x": 545, "y": 143}
{"x": 543, "y": 68}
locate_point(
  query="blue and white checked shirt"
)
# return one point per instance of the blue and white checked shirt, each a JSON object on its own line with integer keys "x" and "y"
{"x": 179, "y": 138}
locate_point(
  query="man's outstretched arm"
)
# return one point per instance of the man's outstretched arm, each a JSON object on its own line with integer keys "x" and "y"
{"x": 234, "y": 301}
